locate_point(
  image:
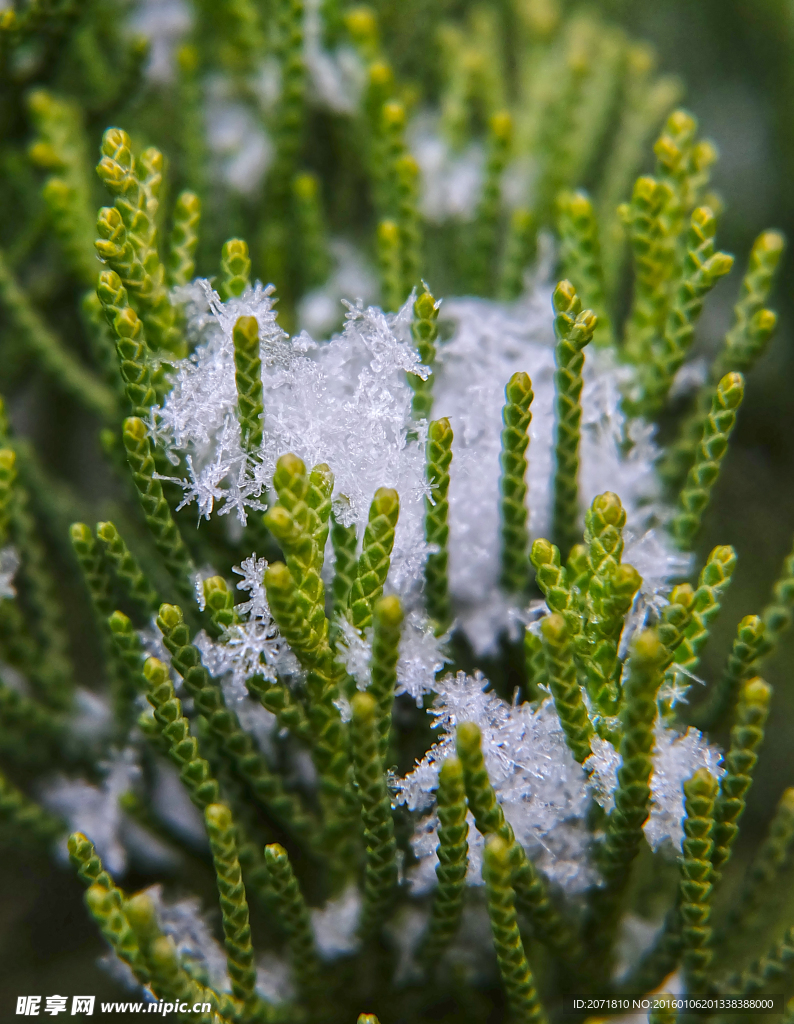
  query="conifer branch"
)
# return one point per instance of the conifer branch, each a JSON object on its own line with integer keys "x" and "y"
{"x": 248, "y": 378}
{"x": 486, "y": 221}
{"x": 57, "y": 362}
{"x": 489, "y": 818}
{"x": 295, "y": 915}
{"x": 181, "y": 266}
{"x": 515, "y": 971}
{"x": 564, "y": 686}
{"x": 574, "y": 330}
{"x": 127, "y": 570}
{"x": 373, "y": 564}
{"x": 380, "y": 876}
{"x": 235, "y": 268}
{"x": 519, "y": 249}
{"x": 387, "y": 621}
{"x": 742, "y": 662}
{"x": 695, "y": 885}
{"x": 516, "y": 418}
{"x": 746, "y": 736}
{"x": 452, "y": 853}
{"x": 234, "y": 906}
{"x": 425, "y": 332}
{"x": 225, "y": 727}
{"x": 165, "y": 533}
{"x": 580, "y": 256}
{"x": 696, "y": 492}
{"x": 438, "y": 460}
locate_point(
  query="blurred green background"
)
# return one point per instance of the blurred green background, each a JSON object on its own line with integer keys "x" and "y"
{"x": 736, "y": 58}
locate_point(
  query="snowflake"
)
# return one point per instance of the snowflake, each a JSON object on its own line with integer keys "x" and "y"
{"x": 676, "y": 758}
{"x": 347, "y": 403}
{"x": 542, "y": 790}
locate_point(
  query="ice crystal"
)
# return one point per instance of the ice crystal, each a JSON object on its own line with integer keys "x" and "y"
{"x": 490, "y": 342}
{"x": 240, "y": 149}
{"x": 676, "y": 757}
{"x": 253, "y": 646}
{"x": 163, "y": 23}
{"x": 542, "y": 790}
{"x": 94, "y": 810}
{"x": 335, "y": 924}
{"x": 9, "y": 563}
{"x": 422, "y": 656}
{"x": 193, "y": 938}
{"x": 347, "y": 402}
{"x": 451, "y": 181}
{"x": 337, "y": 77}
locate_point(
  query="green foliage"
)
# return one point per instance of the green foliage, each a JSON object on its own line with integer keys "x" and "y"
{"x": 295, "y": 915}
{"x": 136, "y": 184}
{"x": 380, "y": 875}
{"x": 581, "y": 258}
{"x": 373, "y": 564}
{"x": 632, "y": 795}
{"x": 425, "y": 330}
{"x": 127, "y": 570}
{"x": 165, "y": 533}
{"x": 695, "y": 885}
{"x": 547, "y": 114}
{"x": 194, "y": 770}
{"x": 746, "y": 736}
{"x": 387, "y": 622}
{"x": 516, "y": 974}
{"x": 564, "y": 686}
{"x": 574, "y": 330}
{"x": 704, "y": 473}
{"x": 452, "y": 859}
{"x": 489, "y": 818}
{"x": 486, "y": 220}
{"x": 439, "y": 458}
{"x": 235, "y": 268}
{"x": 184, "y": 240}
{"x": 224, "y": 725}
{"x": 248, "y": 378}
{"x": 234, "y": 908}
{"x": 22, "y": 814}
{"x": 516, "y": 418}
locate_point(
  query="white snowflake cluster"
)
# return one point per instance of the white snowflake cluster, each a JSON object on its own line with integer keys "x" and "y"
{"x": 541, "y": 788}
{"x": 347, "y": 402}
{"x": 335, "y": 925}
{"x": 9, "y": 563}
{"x": 543, "y": 791}
{"x": 252, "y": 647}
{"x": 95, "y": 810}
{"x": 676, "y": 757}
